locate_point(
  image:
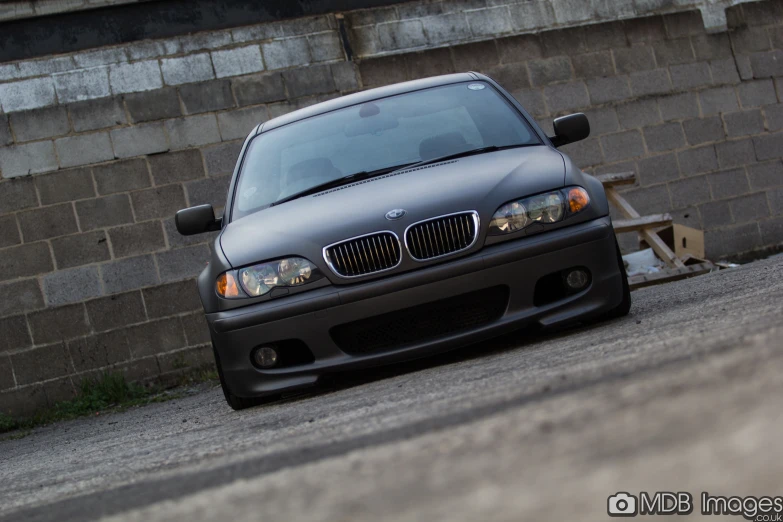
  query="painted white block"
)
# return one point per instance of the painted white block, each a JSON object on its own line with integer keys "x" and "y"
{"x": 236, "y": 62}
{"x": 135, "y": 77}
{"x": 188, "y": 69}
{"x": 27, "y": 94}
{"x": 85, "y": 84}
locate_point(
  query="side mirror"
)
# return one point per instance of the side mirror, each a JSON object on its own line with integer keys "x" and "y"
{"x": 569, "y": 129}
{"x": 197, "y": 220}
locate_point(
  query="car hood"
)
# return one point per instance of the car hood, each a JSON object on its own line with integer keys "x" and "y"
{"x": 304, "y": 226}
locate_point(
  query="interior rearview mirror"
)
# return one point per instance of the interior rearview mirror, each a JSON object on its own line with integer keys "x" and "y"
{"x": 197, "y": 220}
{"x": 569, "y": 129}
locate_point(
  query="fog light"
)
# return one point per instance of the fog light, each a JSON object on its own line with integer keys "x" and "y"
{"x": 265, "y": 357}
{"x": 577, "y": 279}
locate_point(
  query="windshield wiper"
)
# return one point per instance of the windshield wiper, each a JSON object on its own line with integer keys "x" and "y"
{"x": 472, "y": 152}
{"x": 351, "y": 178}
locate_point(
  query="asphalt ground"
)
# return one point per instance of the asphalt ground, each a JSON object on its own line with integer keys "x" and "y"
{"x": 684, "y": 394}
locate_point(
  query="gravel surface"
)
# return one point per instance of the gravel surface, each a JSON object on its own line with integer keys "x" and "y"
{"x": 684, "y": 394}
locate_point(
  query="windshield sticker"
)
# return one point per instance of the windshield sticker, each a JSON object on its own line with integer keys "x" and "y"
{"x": 476, "y": 86}
{"x": 248, "y": 193}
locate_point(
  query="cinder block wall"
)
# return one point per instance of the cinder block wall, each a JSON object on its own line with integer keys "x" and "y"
{"x": 99, "y": 149}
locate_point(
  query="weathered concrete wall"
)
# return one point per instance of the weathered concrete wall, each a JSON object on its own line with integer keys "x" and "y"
{"x": 99, "y": 149}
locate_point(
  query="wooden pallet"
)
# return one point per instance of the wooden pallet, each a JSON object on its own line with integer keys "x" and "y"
{"x": 645, "y": 226}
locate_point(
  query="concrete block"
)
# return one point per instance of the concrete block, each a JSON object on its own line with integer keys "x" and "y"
{"x": 121, "y": 176}
{"x": 196, "y": 329}
{"x": 724, "y": 72}
{"x": 46, "y": 66}
{"x": 17, "y": 194}
{"x": 765, "y": 175}
{"x": 757, "y": 93}
{"x": 768, "y": 146}
{"x": 764, "y": 65}
{"x": 9, "y": 71}
{"x": 203, "y": 40}
{"x": 23, "y": 402}
{"x": 55, "y": 325}
{"x": 237, "y": 61}
{"x": 98, "y": 351}
{"x": 80, "y": 249}
{"x": 660, "y": 138}
{"x": 104, "y": 212}
{"x": 690, "y": 76}
{"x": 156, "y": 337}
{"x": 622, "y": 146}
{"x": 550, "y": 70}
{"x": 585, "y": 153}
{"x": 115, "y": 311}
{"x": 527, "y": 16}
{"x": 85, "y": 60}
{"x": 47, "y": 222}
{"x": 715, "y": 214}
{"x": 345, "y": 76}
{"x": 40, "y": 123}
{"x": 67, "y": 185}
{"x": 25, "y": 260}
{"x": 9, "y": 231}
{"x": 698, "y": 160}
{"x": 153, "y": 105}
{"x": 566, "y": 96}
{"x": 602, "y": 121}
{"x": 658, "y": 169}
{"x": 679, "y": 106}
{"x": 606, "y": 90}
{"x": 187, "y": 69}
{"x": 712, "y": 46}
{"x": 309, "y": 81}
{"x": 688, "y": 192}
{"x": 772, "y": 231}
{"x": 176, "y": 166}
{"x": 140, "y": 238}
{"x": 492, "y": 21}
{"x": 749, "y": 208}
{"x": 594, "y": 65}
{"x": 139, "y": 140}
{"x": 129, "y": 274}
{"x": 84, "y": 84}
{"x": 743, "y": 123}
{"x": 97, "y": 114}
{"x": 720, "y": 99}
{"x": 634, "y": 59}
{"x": 135, "y": 77}
{"x": 704, "y": 130}
{"x": 7, "y": 380}
{"x": 71, "y": 286}
{"x": 644, "y": 30}
{"x": 775, "y": 197}
{"x": 519, "y": 48}
{"x": 154, "y": 48}
{"x": 84, "y": 149}
{"x": 650, "y": 83}
{"x": 5, "y": 131}
{"x": 407, "y": 34}
{"x": 306, "y": 25}
{"x": 649, "y": 200}
{"x": 183, "y": 263}
{"x": 682, "y": 24}
{"x": 193, "y": 131}
{"x": 326, "y": 47}
{"x": 14, "y": 334}
{"x": 566, "y": 42}
{"x": 27, "y": 94}
{"x": 159, "y": 202}
{"x": 206, "y": 96}
{"x": 197, "y": 357}
{"x": 28, "y": 367}
{"x": 433, "y": 62}
{"x": 736, "y": 153}
{"x": 171, "y": 299}
{"x": 221, "y": 159}
{"x": 446, "y": 28}
{"x": 59, "y": 390}
{"x": 29, "y": 158}
{"x": 286, "y": 52}
{"x": 749, "y": 39}
{"x": 774, "y": 117}
{"x": 237, "y": 124}
{"x": 639, "y": 113}
{"x": 382, "y": 71}
{"x": 256, "y": 33}
{"x": 259, "y": 88}
{"x": 532, "y": 100}
{"x": 210, "y": 190}
{"x": 673, "y": 52}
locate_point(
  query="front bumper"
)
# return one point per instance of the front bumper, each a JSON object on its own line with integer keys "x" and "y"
{"x": 518, "y": 265}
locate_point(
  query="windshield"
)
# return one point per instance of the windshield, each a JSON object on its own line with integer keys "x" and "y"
{"x": 374, "y": 136}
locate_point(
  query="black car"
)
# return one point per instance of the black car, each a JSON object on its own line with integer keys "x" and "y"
{"x": 395, "y": 223}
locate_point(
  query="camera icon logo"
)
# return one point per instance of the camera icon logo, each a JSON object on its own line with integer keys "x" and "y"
{"x": 622, "y": 505}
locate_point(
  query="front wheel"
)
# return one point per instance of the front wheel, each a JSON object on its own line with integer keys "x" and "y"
{"x": 622, "y": 309}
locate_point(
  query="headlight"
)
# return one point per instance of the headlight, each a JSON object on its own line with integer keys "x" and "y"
{"x": 260, "y": 279}
{"x": 543, "y": 208}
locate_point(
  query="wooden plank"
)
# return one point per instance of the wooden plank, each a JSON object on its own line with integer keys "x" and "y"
{"x": 670, "y": 274}
{"x": 635, "y": 224}
{"x": 621, "y": 178}
{"x": 656, "y": 243}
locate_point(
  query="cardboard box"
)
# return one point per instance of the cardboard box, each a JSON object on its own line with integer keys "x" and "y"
{"x": 682, "y": 240}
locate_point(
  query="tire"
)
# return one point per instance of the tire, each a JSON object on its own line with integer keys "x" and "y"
{"x": 622, "y": 309}
{"x": 236, "y": 403}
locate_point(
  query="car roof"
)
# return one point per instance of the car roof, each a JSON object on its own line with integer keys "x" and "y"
{"x": 365, "y": 96}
